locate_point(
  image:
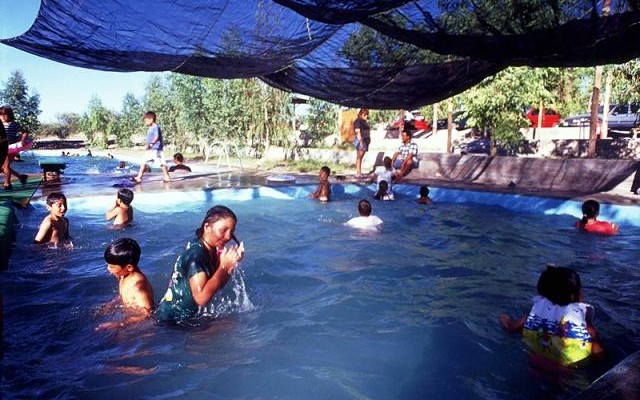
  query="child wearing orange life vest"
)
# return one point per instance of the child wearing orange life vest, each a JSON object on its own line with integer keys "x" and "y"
{"x": 590, "y": 223}
{"x": 559, "y": 326}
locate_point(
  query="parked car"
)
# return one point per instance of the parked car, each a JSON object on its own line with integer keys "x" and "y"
{"x": 550, "y": 118}
{"x": 418, "y": 125}
{"x": 479, "y": 146}
{"x": 459, "y": 121}
{"x": 622, "y": 117}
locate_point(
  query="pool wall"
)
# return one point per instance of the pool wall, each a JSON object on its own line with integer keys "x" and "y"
{"x": 621, "y": 214}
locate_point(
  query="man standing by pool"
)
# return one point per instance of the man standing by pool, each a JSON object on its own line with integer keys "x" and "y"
{"x": 154, "y": 148}
{"x": 406, "y": 158}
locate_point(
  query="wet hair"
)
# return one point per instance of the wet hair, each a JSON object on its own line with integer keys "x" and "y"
{"x": 54, "y": 197}
{"x": 590, "y": 209}
{"x": 178, "y": 157}
{"x": 123, "y": 251}
{"x": 151, "y": 115}
{"x": 561, "y": 285}
{"x": 8, "y": 112}
{"x": 383, "y": 190}
{"x": 387, "y": 162}
{"x": 362, "y": 112}
{"x": 364, "y": 208}
{"x": 326, "y": 170}
{"x": 424, "y": 191}
{"x": 125, "y": 195}
{"x": 215, "y": 214}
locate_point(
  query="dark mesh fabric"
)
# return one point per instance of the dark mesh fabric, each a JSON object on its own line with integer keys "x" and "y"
{"x": 364, "y": 53}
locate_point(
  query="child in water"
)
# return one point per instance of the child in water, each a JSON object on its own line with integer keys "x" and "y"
{"x": 383, "y": 191}
{"x": 424, "y": 195}
{"x": 559, "y": 326}
{"x": 134, "y": 290}
{"x": 365, "y": 220}
{"x": 122, "y": 212}
{"x": 54, "y": 228}
{"x": 323, "y": 192}
{"x": 590, "y": 222}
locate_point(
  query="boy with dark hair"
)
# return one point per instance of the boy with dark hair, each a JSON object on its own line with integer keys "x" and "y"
{"x": 54, "y": 228}
{"x": 365, "y": 220}
{"x": 134, "y": 290}
{"x": 122, "y": 212}
{"x": 323, "y": 192}
{"x": 178, "y": 160}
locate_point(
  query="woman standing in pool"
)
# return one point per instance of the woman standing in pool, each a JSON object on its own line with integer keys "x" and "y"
{"x": 203, "y": 268}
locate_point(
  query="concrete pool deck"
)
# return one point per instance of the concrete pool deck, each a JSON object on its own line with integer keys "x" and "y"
{"x": 608, "y": 181}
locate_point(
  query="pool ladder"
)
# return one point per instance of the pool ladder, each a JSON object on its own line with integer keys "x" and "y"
{"x": 222, "y": 149}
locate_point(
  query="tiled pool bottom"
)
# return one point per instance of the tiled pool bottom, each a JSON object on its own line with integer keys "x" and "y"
{"x": 320, "y": 310}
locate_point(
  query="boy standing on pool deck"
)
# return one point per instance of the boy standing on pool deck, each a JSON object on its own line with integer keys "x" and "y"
{"x": 154, "y": 148}
{"x": 323, "y": 192}
{"x": 54, "y": 228}
{"x": 134, "y": 290}
{"x": 122, "y": 211}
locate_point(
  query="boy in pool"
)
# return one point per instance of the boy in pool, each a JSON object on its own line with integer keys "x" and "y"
{"x": 559, "y": 326}
{"x": 54, "y": 228}
{"x": 178, "y": 160}
{"x": 122, "y": 212}
{"x": 365, "y": 220}
{"x": 424, "y": 195}
{"x": 134, "y": 290}
{"x": 323, "y": 192}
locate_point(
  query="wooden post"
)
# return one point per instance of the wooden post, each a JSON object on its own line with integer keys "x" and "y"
{"x": 449, "y": 125}
{"x": 434, "y": 123}
{"x": 604, "y": 129}
{"x": 595, "y": 102}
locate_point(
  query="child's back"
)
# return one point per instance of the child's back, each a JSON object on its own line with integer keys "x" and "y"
{"x": 559, "y": 325}
{"x": 365, "y": 220}
{"x": 122, "y": 211}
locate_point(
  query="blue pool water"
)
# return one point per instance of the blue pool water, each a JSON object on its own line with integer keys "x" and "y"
{"x": 318, "y": 310}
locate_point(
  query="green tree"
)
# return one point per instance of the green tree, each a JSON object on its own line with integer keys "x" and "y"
{"x": 626, "y": 82}
{"x": 129, "y": 120}
{"x": 321, "y": 120}
{"x": 191, "y": 117}
{"x": 15, "y": 93}
{"x": 496, "y": 104}
{"x": 98, "y": 123}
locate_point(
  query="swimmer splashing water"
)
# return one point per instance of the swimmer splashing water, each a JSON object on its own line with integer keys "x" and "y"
{"x": 203, "y": 268}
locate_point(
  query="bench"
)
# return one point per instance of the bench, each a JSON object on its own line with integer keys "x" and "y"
{"x": 52, "y": 166}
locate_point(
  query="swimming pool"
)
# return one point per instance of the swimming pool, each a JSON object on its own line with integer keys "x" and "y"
{"x": 319, "y": 310}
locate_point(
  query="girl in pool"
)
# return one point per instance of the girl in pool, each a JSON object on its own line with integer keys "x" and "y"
{"x": 383, "y": 193}
{"x": 559, "y": 326}
{"x": 590, "y": 222}
{"x": 203, "y": 268}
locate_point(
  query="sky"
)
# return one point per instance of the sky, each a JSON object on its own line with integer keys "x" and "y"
{"x": 62, "y": 88}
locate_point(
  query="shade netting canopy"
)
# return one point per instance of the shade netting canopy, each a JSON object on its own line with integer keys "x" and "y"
{"x": 360, "y": 53}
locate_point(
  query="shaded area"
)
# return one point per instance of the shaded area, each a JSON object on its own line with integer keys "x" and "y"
{"x": 370, "y": 53}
